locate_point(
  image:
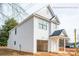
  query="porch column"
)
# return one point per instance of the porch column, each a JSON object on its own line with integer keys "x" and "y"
{"x": 64, "y": 45}
{"x": 58, "y": 45}
{"x": 49, "y": 45}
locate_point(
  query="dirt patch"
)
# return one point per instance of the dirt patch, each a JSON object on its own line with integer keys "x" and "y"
{"x": 4, "y": 51}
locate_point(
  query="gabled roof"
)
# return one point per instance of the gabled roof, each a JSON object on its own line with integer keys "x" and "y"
{"x": 60, "y": 32}
{"x": 34, "y": 14}
{"x": 56, "y": 20}
{"x": 53, "y": 18}
{"x": 57, "y": 32}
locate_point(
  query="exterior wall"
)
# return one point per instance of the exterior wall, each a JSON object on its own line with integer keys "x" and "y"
{"x": 44, "y": 12}
{"x": 24, "y": 37}
{"x": 40, "y": 34}
{"x": 53, "y": 45}
{"x": 53, "y": 27}
{"x": 11, "y": 40}
{"x": 28, "y": 33}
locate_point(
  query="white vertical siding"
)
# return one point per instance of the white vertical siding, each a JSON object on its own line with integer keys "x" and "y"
{"x": 11, "y": 39}
{"x": 29, "y": 32}
{"x": 40, "y": 33}
{"x": 23, "y": 37}
{"x": 54, "y": 45}
{"x": 44, "y": 12}
{"x": 53, "y": 27}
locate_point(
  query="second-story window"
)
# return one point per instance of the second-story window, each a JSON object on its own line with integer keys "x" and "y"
{"x": 43, "y": 24}
{"x": 40, "y": 25}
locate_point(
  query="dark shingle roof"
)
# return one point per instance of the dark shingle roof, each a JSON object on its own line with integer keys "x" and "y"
{"x": 57, "y": 32}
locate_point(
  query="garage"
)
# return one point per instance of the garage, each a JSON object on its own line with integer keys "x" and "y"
{"x": 42, "y": 45}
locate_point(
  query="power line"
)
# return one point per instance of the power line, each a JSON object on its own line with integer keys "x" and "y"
{"x": 65, "y": 7}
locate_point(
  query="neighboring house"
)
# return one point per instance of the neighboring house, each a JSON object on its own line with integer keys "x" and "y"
{"x": 71, "y": 45}
{"x": 38, "y": 32}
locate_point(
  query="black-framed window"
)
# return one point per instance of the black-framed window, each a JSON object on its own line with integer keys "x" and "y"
{"x": 15, "y": 31}
{"x": 43, "y": 25}
{"x": 14, "y": 42}
{"x": 40, "y": 25}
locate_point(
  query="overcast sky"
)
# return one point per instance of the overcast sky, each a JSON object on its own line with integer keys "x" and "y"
{"x": 69, "y": 18}
{"x": 68, "y": 15}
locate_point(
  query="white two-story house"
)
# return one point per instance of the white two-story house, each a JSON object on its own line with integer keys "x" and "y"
{"x": 38, "y": 32}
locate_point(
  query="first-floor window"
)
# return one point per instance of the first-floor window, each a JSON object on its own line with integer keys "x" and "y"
{"x": 14, "y": 42}
{"x": 15, "y": 31}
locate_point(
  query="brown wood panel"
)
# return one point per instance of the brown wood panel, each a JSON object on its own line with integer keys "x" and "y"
{"x": 42, "y": 45}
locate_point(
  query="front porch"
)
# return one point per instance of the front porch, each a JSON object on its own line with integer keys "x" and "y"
{"x": 55, "y": 44}
{"x": 57, "y": 40}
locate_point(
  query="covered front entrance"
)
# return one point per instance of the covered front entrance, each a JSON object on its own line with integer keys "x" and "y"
{"x": 42, "y": 45}
{"x": 57, "y": 41}
{"x": 61, "y": 45}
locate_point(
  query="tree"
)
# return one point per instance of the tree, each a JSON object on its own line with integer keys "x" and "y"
{"x": 4, "y": 32}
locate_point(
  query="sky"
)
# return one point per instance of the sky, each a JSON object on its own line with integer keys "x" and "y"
{"x": 69, "y": 18}
{"x": 68, "y": 15}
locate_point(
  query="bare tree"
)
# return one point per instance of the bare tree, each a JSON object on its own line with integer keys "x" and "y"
{"x": 15, "y": 8}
